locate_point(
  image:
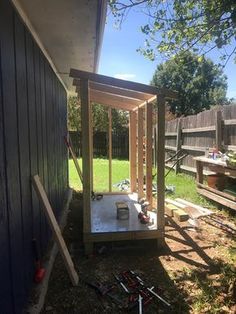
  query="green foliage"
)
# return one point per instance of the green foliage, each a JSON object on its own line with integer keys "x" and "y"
{"x": 176, "y": 25}
{"x": 74, "y": 116}
{"x": 100, "y": 117}
{"x": 197, "y": 80}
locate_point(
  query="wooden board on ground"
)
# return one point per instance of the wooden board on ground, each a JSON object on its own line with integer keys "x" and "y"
{"x": 169, "y": 209}
{"x": 197, "y": 211}
{"x": 55, "y": 230}
{"x": 176, "y": 212}
{"x": 180, "y": 214}
{"x": 174, "y": 202}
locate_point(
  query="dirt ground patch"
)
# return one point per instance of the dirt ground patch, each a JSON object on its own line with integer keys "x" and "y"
{"x": 195, "y": 272}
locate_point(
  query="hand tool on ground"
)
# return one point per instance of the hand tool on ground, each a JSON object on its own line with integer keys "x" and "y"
{"x": 140, "y": 306}
{"x": 150, "y": 289}
{"x": 159, "y": 297}
{"x": 121, "y": 283}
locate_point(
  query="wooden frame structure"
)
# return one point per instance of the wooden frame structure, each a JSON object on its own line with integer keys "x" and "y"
{"x": 138, "y": 99}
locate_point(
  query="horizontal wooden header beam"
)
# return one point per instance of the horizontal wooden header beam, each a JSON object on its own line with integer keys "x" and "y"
{"x": 107, "y": 80}
{"x": 115, "y": 90}
{"x": 116, "y": 104}
{"x": 112, "y": 99}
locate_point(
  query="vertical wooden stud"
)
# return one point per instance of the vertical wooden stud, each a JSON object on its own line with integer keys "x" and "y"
{"x": 140, "y": 152}
{"x": 148, "y": 156}
{"x": 219, "y": 130}
{"x": 155, "y": 146}
{"x": 91, "y": 144}
{"x": 178, "y": 142}
{"x": 160, "y": 162}
{"x": 110, "y": 146}
{"x": 86, "y": 152}
{"x": 133, "y": 150}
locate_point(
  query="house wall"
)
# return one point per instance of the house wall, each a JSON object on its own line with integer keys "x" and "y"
{"x": 33, "y": 113}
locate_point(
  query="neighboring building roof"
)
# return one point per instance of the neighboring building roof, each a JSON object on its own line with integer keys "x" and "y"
{"x": 68, "y": 31}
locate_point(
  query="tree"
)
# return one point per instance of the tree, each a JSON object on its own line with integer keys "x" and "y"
{"x": 176, "y": 25}
{"x": 100, "y": 117}
{"x": 199, "y": 83}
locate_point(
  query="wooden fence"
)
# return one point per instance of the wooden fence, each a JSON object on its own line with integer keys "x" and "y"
{"x": 195, "y": 134}
{"x": 120, "y": 144}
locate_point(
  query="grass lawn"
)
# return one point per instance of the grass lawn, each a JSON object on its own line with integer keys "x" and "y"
{"x": 185, "y": 186}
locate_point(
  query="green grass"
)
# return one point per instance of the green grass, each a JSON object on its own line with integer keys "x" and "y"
{"x": 185, "y": 186}
{"x": 120, "y": 171}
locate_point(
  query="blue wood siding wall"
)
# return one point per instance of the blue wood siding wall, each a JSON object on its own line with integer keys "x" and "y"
{"x": 33, "y": 121}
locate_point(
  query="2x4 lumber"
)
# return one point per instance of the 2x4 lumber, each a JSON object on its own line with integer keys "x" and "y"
{"x": 224, "y": 194}
{"x": 199, "y": 130}
{"x": 145, "y": 103}
{"x": 111, "y": 98}
{"x": 115, "y": 90}
{"x": 189, "y": 204}
{"x": 128, "y": 85}
{"x": 55, "y": 230}
{"x": 217, "y": 198}
{"x": 86, "y": 153}
{"x": 102, "y": 79}
{"x": 114, "y": 104}
{"x": 148, "y": 157}
{"x": 91, "y": 145}
{"x": 160, "y": 162}
{"x": 181, "y": 215}
{"x": 133, "y": 150}
{"x": 175, "y": 203}
{"x": 110, "y": 147}
{"x": 140, "y": 152}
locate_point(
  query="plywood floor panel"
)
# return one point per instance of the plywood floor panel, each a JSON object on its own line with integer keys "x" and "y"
{"x": 104, "y": 215}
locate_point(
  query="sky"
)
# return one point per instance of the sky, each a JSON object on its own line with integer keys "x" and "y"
{"x": 120, "y": 59}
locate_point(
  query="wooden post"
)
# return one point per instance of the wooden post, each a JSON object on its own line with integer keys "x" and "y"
{"x": 178, "y": 143}
{"x": 91, "y": 144}
{"x": 86, "y": 153}
{"x": 133, "y": 150}
{"x": 140, "y": 152}
{"x": 219, "y": 130}
{"x": 110, "y": 146}
{"x": 199, "y": 174}
{"x": 160, "y": 163}
{"x": 155, "y": 146}
{"x": 148, "y": 156}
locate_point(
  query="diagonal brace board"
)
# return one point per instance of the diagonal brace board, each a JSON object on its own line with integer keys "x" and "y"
{"x": 55, "y": 230}
{"x": 79, "y": 171}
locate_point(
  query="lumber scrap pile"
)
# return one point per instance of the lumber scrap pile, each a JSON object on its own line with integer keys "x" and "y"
{"x": 183, "y": 210}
